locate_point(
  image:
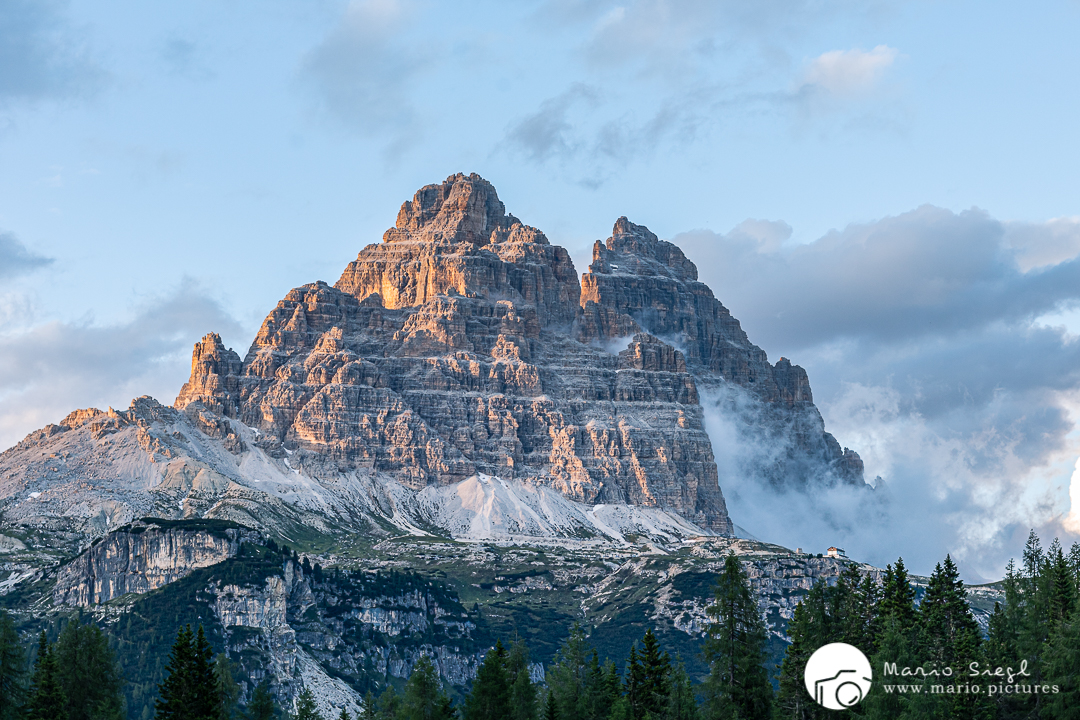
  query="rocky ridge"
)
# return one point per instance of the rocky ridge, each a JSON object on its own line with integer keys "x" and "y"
{"x": 462, "y": 346}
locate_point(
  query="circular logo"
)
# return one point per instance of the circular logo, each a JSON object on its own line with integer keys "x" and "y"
{"x": 838, "y": 676}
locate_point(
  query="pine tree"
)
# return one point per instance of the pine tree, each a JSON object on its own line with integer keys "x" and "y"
{"x": 738, "y": 686}
{"x": 344, "y": 715}
{"x": 489, "y": 698}
{"x": 12, "y": 669}
{"x": 568, "y": 677}
{"x": 681, "y": 702}
{"x": 89, "y": 673}
{"x": 1063, "y": 671}
{"x": 47, "y": 699}
{"x": 522, "y": 690}
{"x": 424, "y": 698}
{"x": 389, "y": 705}
{"x": 656, "y": 667}
{"x": 190, "y": 688}
{"x": 228, "y": 690}
{"x": 550, "y": 712}
{"x": 305, "y": 706}
{"x": 261, "y": 706}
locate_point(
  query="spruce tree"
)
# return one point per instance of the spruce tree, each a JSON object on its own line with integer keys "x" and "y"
{"x": 568, "y": 677}
{"x": 897, "y": 596}
{"x": 305, "y": 706}
{"x": 369, "y": 707}
{"x": 190, "y": 688}
{"x": 634, "y": 685}
{"x": 261, "y": 706}
{"x": 489, "y": 698}
{"x": 47, "y": 699}
{"x": 1062, "y": 589}
{"x": 12, "y": 669}
{"x": 550, "y": 711}
{"x": 951, "y": 635}
{"x": 522, "y": 690}
{"x": 1063, "y": 671}
{"x": 656, "y": 667}
{"x": 793, "y": 702}
{"x": 89, "y": 673}
{"x": 424, "y": 698}
{"x": 228, "y": 690}
{"x": 681, "y": 701}
{"x": 344, "y": 715}
{"x": 389, "y": 705}
{"x": 603, "y": 687}
{"x": 738, "y": 686}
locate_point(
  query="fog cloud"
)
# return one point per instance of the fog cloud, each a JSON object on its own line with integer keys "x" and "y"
{"x": 920, "y": 333}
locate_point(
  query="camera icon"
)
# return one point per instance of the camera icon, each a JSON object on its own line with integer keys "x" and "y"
{"x": 838, "y": 676}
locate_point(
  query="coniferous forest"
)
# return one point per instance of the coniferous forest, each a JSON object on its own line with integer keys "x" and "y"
{"x": 929, "y": 657}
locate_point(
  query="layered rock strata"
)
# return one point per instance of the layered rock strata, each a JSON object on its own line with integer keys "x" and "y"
{"x": 463, "y": 344}
{"x": 142, "y": 558}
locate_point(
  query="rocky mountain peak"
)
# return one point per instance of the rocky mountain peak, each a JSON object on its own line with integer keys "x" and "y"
{"x": 456, "y": 239}
{"x": 462, "y": 346}
{"x": 463, "y": 208}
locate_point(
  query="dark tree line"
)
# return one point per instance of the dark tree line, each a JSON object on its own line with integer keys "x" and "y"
{"x": 74, "y": 678}
{"x": 1038, "y": 624}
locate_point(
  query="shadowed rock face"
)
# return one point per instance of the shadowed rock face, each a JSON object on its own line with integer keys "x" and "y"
{"x": 464, "y": 343}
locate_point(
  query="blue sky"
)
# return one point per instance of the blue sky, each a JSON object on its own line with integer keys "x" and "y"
{"x": 885, "y": 192}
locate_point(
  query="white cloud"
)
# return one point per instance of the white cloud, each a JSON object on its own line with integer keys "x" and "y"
{"x": 923, "y": 338}
{"x": 1072, "y": 520}
{"x": 1041, "y": 244}
{"x": 845, "y": 73}
{"x": 48, "y": 370}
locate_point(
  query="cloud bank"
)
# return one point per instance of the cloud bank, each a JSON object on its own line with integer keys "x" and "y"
{"x": 50, "y": 369}
{"x": 924, "y": 338}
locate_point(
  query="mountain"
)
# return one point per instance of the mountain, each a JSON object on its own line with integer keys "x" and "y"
{"x": 460, "y": 430}
{"x": 461, "y": 345}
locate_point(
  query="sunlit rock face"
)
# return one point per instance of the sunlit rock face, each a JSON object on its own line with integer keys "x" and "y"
{"x": 461, "y": 345}
{"x": 464, "y": 343}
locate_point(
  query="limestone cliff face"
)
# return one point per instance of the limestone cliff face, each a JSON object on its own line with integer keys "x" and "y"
{"x": 449, "y": 349}
{"x": 142, "y": 558}
{"x": 637, "y": 283}
{"x": 464, "y": 343}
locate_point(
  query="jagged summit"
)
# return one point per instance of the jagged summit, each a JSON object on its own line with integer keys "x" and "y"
{"x": 463, "y": 208}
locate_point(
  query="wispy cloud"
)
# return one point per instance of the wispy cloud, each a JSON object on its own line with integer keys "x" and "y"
{"x": 48, "y": 370}
{"x": 41, "y": 56}
{"x": 848, "y": 73}
{"x": 362, "y": 70}
{"x": 16, "y": 259}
